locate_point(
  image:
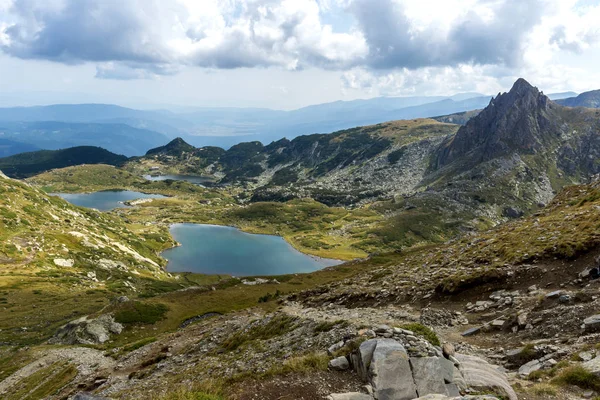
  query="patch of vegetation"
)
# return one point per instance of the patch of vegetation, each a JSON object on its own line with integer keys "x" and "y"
{"x": 326, "y": 326}
{"x": 276, "y": 326}
{"x": 578, "y": 376}
{"x": 423, "y": 331}
{"x": 136, "y": 312}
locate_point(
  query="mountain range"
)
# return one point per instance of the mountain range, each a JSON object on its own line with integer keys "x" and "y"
{"x": 505, "y": 161}
{"x": 132, "y": 132}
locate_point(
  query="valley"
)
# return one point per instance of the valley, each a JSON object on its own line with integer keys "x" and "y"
{"x": 464, "y": 246}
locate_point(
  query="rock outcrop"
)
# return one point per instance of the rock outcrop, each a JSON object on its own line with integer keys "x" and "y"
{"x": 87, "y": 331}
{"x": 394, "y": 374}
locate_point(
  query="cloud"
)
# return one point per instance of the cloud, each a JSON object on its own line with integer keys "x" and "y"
{"x": 493, "y": 33}
{"x": 387, "y": 46}
{"x": 128, "y": 71}
{"x": 211, "y": 33}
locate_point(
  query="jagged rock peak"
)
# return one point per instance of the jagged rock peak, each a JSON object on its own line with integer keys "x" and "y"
{"x": 518, "y": 120}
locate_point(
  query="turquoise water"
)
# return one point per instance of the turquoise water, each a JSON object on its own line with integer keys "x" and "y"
{"x": 211, "y": 249}
{"x": 196, "y": 180}
{"x": 105, "y": 200}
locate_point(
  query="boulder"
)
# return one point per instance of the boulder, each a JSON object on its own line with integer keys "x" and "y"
{"x": 390, "y": 372}
{"x": 592, "y": 324}
{"x": 62, "y": 262}
{"x": 448, "y": 350}
{"x": 339, "y": 364}
{"x": 362, "y": 359}
{"x": 481, "y": 376}
{"x": 87, "y": 396}
{"x": 593, "y": 366}
{"x": 87, "y": 331}
{"x": 530, "y": 367}
{"x": 431, "y": 375}
{"x": 349, "y": 396}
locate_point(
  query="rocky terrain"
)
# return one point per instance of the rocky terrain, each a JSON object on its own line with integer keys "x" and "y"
{"x": 482, "y": 282}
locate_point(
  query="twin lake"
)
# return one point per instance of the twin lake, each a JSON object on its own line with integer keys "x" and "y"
{"x": 212, "y": 249}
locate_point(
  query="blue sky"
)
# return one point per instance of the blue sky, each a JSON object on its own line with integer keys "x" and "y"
{"x": 289, "y": 53}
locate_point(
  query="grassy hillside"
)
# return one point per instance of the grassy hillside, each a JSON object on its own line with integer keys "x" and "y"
{"x": 28, "y": 164}
{"x": 57, "y": 260}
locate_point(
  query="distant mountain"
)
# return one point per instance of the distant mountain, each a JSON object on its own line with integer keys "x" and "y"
{"x": 118, "y": 138}
{"x": 225, "y": 127}
{"x": 27, "y": 164}
{"x": 11, "y": 147}
{"x": 559, "y": 96}
{"x": 588, "y": 99}
{"x": 176, "y": 147}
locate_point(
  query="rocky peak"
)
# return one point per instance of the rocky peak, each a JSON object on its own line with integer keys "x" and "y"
{"x": 517, "y": 121}
{"x": 175, "y": 147}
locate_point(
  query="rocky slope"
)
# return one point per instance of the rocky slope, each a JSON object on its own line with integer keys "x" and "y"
{"x": 510, "y": 313}
{"x": 51, "y": 251}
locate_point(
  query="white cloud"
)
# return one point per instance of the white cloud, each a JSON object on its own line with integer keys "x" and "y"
{"x": 382, "y": 47}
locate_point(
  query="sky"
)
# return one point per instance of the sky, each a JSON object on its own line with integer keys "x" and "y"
{"x": 286, "y": 54}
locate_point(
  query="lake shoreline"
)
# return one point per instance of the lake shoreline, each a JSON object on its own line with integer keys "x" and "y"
{"x": 320, "y": 262}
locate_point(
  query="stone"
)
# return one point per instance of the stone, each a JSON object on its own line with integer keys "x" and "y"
{"x": 528, "y": 368}
{"x": 61, "y": 262}
{"x": 592, "y": 324}
{"x": 593, "y": 366}
{"x": 448, "y": 350}
{"x": 349, "y": 396}
{"x": 339, "y": 364}
{"x": 428, "y": 374}
{"x": 586, "y": 355}
{"x": 390, "y": 372}
{"x": 362, "y": 360}
{"x": 87, "y": 331}
{"x": 565, "y": 298}
{"x": 471, "y": 331}
{"x": 498, "y": 323}
{"x": 335, "y": 347}
{"x": 481, "y": 376}
{"x": 522, "y": 320}
{"x": 87, "y": 396}
{"x": 555, "y": 294}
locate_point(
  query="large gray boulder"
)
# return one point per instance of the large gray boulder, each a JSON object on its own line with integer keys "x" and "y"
{"x": 390, "y": 372}
{"x": 481, "y": 376}
{"x": 87, "y": 331}
{"x": 362, "y": 359}
{"x": 433, "y": 375}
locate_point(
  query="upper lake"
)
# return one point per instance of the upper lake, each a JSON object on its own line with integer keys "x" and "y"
{"x": 212, "y": 249}
{"x": 196, "y": 180}
{"x": 105, "y": 200}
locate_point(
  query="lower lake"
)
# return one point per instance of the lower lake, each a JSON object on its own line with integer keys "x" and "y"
{"x": 196, "y": 180}
{"x": 212, "y": 249}
{"x": 105, "y": 200}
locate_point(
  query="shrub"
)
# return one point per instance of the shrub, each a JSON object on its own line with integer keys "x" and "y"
{"x": 578, "y": 376}
{"x": 423, "y": 331}
{"x": 326, "y": 326}
{"x": 138, "y": 312}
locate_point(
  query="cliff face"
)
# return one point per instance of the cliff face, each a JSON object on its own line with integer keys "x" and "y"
{"x": 523, "y": 120}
